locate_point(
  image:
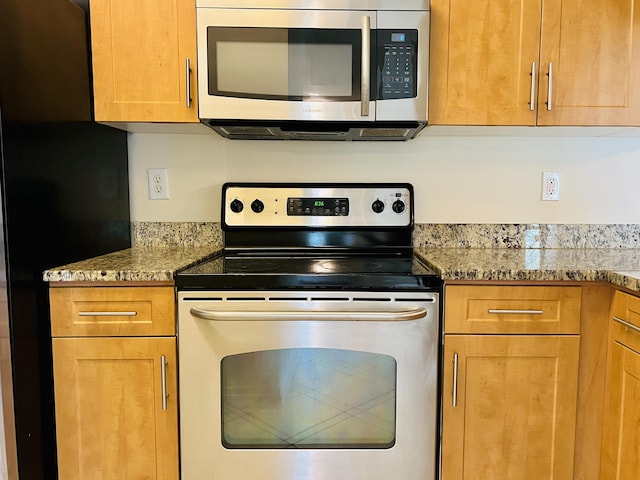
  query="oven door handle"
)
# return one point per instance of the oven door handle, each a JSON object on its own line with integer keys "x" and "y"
{"x": 335, "y": 315}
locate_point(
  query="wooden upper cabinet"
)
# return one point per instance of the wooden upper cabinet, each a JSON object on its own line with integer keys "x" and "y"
{"x": 587, "y": 62}
{"x": 594, "y": 51}
{"x": 140, "y": 51}
{"x": 481, "y": 59}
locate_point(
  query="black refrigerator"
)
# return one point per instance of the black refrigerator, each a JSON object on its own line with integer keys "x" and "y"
{"x": 64, "y": 186}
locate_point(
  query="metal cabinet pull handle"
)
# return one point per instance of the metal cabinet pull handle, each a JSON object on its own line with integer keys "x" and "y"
{"x": 188, "y": 71}
{"x": 107, "y": 314}
{"x": 455, "y": 380}
{"x": 532, "y": 98}
{"x": 519, "y": 312}
{"x": 627, "y": 324}
{"x": 382, "y": 316}
{"x": 163, "y": 377}
{"x": 365, "y": 73}
{"x": 550, "y": 86}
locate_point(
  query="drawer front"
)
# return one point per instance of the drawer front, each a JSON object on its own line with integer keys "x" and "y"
{"x": 625, "y": 327}
{"x": 112, "y": 311}
{"x": 512, "y": 309}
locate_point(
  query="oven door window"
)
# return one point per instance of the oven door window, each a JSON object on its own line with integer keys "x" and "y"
{"x": 308, "y": 398}
{"x": 290, "y": 64}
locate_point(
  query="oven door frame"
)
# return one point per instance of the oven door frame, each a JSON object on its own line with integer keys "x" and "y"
{"x": 412, "y": 342}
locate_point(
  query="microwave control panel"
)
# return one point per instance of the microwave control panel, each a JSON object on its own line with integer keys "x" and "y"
{"x": 397, "y": 57}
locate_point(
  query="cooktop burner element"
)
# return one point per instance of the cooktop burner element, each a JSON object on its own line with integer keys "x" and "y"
{"x": 329, "y": 236}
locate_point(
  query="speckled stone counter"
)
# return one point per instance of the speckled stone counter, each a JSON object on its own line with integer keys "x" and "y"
{"x": 621, "y": 267}
{"x": 141, "y": 264}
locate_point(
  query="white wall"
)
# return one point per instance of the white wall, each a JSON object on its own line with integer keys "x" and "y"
{"x": 473, "y": 176}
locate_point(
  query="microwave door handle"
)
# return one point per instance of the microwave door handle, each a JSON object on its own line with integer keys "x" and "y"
{"x": 365, "y": 71}
{"x": 309, "y": 315}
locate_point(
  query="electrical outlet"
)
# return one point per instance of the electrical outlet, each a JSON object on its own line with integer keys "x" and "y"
{"x": 158, "y": 183}
{"x": 550, "y": 186}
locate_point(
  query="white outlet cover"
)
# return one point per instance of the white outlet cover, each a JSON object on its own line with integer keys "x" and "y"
{"x": 158, "y": 183}
{"x": 550, "y": 186}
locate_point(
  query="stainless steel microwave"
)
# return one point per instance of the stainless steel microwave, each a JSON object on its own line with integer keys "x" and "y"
{"x": 324, "y": 69}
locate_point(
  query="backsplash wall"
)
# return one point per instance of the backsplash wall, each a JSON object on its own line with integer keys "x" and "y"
{"x": 458, "y": 179}
{"x": 431, "y": 235}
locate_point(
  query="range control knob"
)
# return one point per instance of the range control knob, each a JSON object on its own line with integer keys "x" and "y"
{"x": 257, "y": 206}
{"x": 236, "y": 206}
{"x": 377, "y": 206}
{"x": 398, "y": 206}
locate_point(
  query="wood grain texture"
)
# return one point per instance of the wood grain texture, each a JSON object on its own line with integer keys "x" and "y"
{"x": 109, "y": 416}
{"x": 154, "y": 308}
{"x": 594, "y": 327}
{"x": 467, "y": 309}
{"x": 595, "y": 53}
{"x": 481, "y": 59}
{"x": 621, "y": 433}
{"x": 515, "y": 416}
{"x": 139, "y": 53}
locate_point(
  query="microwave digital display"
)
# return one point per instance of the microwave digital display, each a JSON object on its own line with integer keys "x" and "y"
{"x": 398, "y": 37}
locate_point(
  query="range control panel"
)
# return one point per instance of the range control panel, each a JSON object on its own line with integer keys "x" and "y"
{"x": 317, "y": 205}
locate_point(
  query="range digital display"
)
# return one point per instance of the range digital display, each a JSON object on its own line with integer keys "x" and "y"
{"x": 318, "y": 207}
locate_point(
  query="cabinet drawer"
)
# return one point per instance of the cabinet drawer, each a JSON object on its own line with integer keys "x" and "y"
{"x": 625, "y": 327}
{"x": 112, "y": 311}
{"x": 512, "y": 309}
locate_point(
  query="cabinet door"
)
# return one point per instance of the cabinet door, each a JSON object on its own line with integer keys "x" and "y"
{"x": 594, "y": 52}
{"x": 111, "y": 420}
{"x": 481, "y": 62}
{"x": 140, "y": 50}
{"x": 621, "y": 435}
{"x": 513, "y": 412}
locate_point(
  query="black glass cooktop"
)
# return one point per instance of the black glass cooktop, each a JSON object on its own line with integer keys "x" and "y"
{"x": 309, "y": 270}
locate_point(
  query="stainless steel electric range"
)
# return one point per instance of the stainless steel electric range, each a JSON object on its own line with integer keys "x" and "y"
{"x": 309, "y": 346}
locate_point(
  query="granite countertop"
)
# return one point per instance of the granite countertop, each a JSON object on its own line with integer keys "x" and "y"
{"x": 141, "y": 264}
{"x": 620, "y": 267}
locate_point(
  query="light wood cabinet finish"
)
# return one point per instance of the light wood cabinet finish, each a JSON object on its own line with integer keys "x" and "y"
{"x": 112, "y": 311}
{"x": 115, "y": 382}
{"x": 510, "y": 381}
{"x": 489, "y": 62}
{"x": 516, "y": 405}
{"x": 109, "y": 413}
{"x": 480, "y": 63}
{"x": 512, "y": 309}
{"x": 594, "y": 51}
{"x": 621, "y": 433}
{"x": 139, "y": 53}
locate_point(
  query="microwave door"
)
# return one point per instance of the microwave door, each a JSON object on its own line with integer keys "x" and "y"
{"x": 286, "y": 65}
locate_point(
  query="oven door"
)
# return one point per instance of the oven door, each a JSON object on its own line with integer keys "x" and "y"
{"x": 308, "y": 385}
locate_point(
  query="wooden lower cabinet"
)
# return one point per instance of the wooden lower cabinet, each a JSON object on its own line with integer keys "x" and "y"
{"x": 621, "y": 432}
{"x": 111, "y": 419}
{"x": 115, "y": 381}
{"x": 509, "y": 411}
{"x": 621, "y": 440}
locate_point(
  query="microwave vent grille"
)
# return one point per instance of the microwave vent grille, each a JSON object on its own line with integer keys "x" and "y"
{"x": 386, "y": 133}
{"x": 248, "y": 132}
